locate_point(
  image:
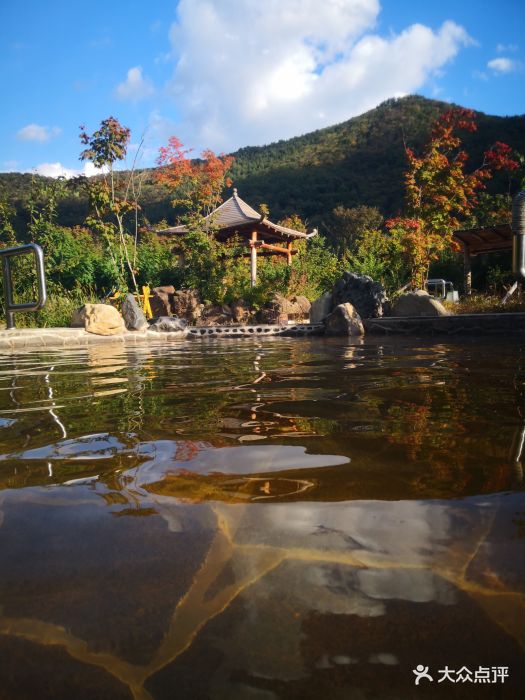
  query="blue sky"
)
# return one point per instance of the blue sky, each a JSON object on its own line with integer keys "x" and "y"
{"x": 230, "y": 73}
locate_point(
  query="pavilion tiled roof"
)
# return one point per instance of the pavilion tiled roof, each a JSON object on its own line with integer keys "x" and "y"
{"x": 485, "y": 239}
{"x": 235, "y": 212}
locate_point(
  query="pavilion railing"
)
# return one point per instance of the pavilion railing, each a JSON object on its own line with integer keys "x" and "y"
{"x": 10, "y": 306}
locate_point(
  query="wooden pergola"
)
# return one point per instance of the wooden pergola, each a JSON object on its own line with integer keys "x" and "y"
{"x": 237, "y": 218}
{"x": 476, "y": 241}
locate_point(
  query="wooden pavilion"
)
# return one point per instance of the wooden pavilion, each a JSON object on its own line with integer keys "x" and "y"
{"x": 237, "y": 218}
{"x": 476, "y": 241}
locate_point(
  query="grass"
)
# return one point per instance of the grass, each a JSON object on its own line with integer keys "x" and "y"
{"x": 57, "y": 312}
{"x": 487, "y": 304}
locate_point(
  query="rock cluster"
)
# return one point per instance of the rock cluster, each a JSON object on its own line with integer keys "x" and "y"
{"x": 104, "y": 319}
{"x": 175, "y": 309}
{"x": 186, "y": 304}
{"x": 183, "y": 303}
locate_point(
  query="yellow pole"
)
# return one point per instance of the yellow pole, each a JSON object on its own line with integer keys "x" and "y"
{"x": 146, "y": 306}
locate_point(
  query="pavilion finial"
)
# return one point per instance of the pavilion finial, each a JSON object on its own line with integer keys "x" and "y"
{"x": 235, "y": 192}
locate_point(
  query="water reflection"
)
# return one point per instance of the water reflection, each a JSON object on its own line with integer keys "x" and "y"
{"x": 267, "y": 572}
{"x": 273, "y": 519}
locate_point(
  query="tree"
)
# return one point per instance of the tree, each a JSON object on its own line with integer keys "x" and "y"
{"x": 379, "y": 255}
{"x": 112, "y": 202}
{"x": 7, "y": 231}
{"x": 440, "y": 195}
{"x": 351, "y": 223}
{"x": 196, "y": 185}
{"x": 196, "y": 188}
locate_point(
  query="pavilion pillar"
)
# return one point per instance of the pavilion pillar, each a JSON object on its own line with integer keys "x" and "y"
{"x": 467, "y": 270}
{"x": 289, "y": 256}
{"x": 253, "y": 259}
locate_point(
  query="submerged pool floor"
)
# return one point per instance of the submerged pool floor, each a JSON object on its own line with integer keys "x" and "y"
{"x": 275, "y": 518}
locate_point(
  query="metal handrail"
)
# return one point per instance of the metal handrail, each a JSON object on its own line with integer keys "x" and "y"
{"x": 10, "y": 306}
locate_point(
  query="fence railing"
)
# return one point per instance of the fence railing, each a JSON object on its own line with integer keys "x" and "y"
{"x": 10, "y": 307}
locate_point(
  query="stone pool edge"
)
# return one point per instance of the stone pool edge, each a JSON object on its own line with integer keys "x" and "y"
{"x": 460, "y": 325}
{"x": 36, "y": 338}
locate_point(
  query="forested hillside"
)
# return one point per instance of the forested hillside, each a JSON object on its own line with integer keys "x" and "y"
{"x": 360, "y": 161}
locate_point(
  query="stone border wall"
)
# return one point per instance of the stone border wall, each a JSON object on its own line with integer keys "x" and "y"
{"x": 461, "y": 324}
{"x": 258, "y": 330}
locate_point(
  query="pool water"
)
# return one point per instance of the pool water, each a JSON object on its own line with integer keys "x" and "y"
{"x": 263, "y": 518}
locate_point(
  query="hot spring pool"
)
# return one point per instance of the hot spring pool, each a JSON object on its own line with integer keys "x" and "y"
{"x": 269, "y": 518}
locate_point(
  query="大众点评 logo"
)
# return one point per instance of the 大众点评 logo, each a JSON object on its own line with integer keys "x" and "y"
{"x": 482, "y": 674}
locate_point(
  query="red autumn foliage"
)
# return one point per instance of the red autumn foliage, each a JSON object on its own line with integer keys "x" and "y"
{"x": 500, "y": 157}
{"x": 195, "y": 183}
{"x": 440, "y": 194}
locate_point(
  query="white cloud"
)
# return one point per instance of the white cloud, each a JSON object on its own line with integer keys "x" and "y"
{"x": 503, "y": 65}
{"x": 59, "y": 170}
{"x": 35, "y": 132}
{"x": 506, "y": 48}
{"x": 249, "y": 72}
{"x": 136, "y": 87}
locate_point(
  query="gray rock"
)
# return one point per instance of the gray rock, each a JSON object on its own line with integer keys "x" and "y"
{"x": 418, "y": 303}
{"x": 320, "y": 308}
{"x": 368, "y": 297}
{"x": 344, "y": 320}
{"x": 133, "y": 315}
{"x": 168, "y": 324}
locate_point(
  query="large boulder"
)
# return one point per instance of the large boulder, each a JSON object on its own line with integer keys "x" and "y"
{"x": 161, "y": 300}
{"x": 320, "y": 308}
{"x": 344, "y": 320}
{"x": 168, "y": 324}
{"x": 133, "y": 315}
{"x": 366, "y": 296}
{"x": 418, "y": 303}
{"x": 100, "y": 319}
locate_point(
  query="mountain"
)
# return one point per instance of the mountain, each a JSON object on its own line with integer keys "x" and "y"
{"x": 360, "y": 161}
